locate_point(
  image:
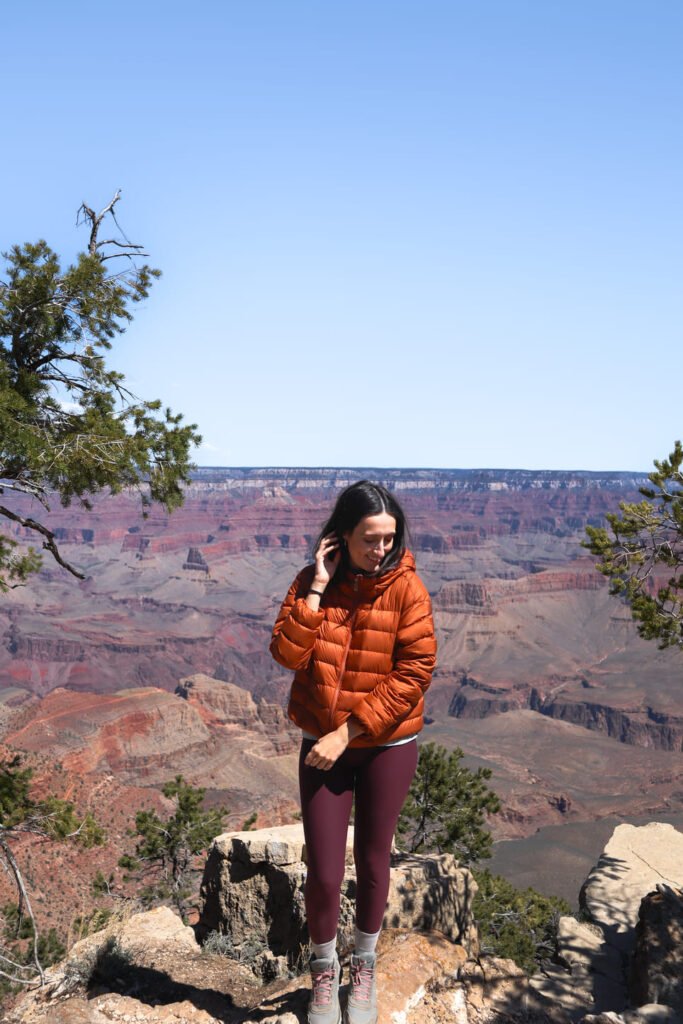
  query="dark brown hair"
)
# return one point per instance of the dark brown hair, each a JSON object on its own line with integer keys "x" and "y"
{"x": 354, "y": 503}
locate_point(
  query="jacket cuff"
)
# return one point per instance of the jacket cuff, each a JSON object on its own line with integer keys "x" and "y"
{"x": 371, "y": 723}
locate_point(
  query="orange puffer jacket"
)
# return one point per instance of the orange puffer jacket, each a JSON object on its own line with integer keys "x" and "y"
{"x": 369, "y": 651}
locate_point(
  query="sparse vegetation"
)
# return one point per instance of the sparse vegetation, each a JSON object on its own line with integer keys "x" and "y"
{"x": 520, "y": 924}
{"x": 87, "y": 924}
{"x": 165, "y": 850}
{"x": 217, "y": 943}
{"x": 25, "y": 952}
{"x": 96, "y": 963}
{"x": 20, "y": 945}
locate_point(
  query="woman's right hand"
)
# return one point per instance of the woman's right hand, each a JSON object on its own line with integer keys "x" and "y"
{"x": 327, "y": 558}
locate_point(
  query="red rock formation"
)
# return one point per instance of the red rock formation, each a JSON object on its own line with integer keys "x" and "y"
{"x": 195, "y": 561}
{"x": 519, "y": 608}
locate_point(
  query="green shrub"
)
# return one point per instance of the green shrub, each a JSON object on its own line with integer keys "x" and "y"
{"x": 447, "y": 807}
{"x": 519, "y": 924}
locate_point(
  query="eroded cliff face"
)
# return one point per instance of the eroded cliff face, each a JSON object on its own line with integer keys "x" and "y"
{"x": 637, "y": 725}
{"x": 147, "y": 615}
{"x": 218, "y": 702}
{"x": 145, "y": 736}
{"x": 529, "y": 638}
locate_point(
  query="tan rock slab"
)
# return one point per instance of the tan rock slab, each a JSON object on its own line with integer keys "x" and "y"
{"x": 497, "y": 985}
{"x": 408, "y": 966}
{"x": 563, "y": 988}
{"x": 634, "y": 860}
{"x": 126, "y": 1010}
{"x": 281, "y": 845}
{"x": 155, "y": 928}
{"x": 596, "y": 979}
{"x": 578, "y": 943}
{"x": 71, "y": 1011}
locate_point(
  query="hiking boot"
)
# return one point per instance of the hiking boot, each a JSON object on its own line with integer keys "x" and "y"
{"x": 323, "y": 1006}
{"x": 361, "y": 1007}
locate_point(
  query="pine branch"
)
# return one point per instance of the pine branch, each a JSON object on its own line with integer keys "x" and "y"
{"x": 49, "y": 544}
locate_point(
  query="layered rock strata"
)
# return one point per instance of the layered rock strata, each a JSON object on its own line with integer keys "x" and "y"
{"x": 636, "y": 725}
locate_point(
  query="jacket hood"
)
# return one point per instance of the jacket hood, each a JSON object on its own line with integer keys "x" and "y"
{"x": 372, "y": 586}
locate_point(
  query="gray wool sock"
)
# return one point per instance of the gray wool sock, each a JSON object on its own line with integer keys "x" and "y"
{"x": 324, "y": 950}
{"x": 366, "y": 942}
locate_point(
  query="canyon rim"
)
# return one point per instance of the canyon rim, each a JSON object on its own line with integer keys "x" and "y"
{"x": 158, "y": 662}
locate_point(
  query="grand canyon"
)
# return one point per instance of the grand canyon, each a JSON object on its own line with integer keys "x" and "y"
{"x": 157, "y": 662}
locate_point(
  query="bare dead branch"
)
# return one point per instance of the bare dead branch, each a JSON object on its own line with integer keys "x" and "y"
{"x": 122, "y": 255}
{"x": 23, "y": 901}
{"x": 22, "y": 486}
{"x": 123, "y": 245}
{"x": 49, "y": 544}
{"x": 86, "y": 213}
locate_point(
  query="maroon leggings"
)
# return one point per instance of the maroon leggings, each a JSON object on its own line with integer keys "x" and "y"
{"x": 380, "y": 777}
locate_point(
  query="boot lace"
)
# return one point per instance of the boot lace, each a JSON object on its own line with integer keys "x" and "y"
{"x": 362, "y": 974}
{"x": 322, "y": 982}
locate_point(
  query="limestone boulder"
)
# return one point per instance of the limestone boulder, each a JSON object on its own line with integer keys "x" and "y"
{"x": 633, "y": 862}
{"x": 593, "y": 958}
{"x": 653, "y": 1013}
{"x": 253, "y": 895}
{"x": 589, "y": 973}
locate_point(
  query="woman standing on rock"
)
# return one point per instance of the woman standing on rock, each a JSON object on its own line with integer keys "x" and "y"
{"x": 356, "y": 627}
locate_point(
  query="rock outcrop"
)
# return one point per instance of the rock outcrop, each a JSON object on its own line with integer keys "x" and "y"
{"x": 195, "y": 561}
{"x": 150, "y": 969}
{"x": 633, "y": 862}
{"x": 253, "y": 894}
{"x": 631, "y": 932}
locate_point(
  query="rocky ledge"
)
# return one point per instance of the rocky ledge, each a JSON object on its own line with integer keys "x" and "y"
{"x": 628, "y": 953}
{"x": 253, "y": 897}
{"x": 624, "y": 966}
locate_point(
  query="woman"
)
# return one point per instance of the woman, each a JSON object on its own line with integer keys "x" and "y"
{"x": 356, "y": 627}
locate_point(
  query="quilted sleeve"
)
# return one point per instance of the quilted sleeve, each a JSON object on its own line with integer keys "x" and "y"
{"x": 296, "y": 626}
{"x": 415, "y": 656}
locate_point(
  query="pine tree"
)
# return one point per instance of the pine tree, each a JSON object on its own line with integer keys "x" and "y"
{"x": 69, "y": 425}
{"x": 517, "y": 923}
{"x": 447, "y": 806}
{"x": 166, "y": 849}
{"x": 642, "y": 553}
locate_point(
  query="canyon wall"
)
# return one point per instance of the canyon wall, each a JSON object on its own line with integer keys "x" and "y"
{"x": 534, "y": 654}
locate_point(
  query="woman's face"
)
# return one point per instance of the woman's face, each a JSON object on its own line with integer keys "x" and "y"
{"x": 370, "y": 541}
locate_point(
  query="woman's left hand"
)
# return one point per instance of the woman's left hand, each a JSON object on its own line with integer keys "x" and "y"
{"x": 328, "y": 749}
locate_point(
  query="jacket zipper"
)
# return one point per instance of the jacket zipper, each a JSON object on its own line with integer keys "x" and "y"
{"x": 335, "y": 699}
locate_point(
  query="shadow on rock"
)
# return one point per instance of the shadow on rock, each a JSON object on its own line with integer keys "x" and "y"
{"x": 294, "y": 1002}
{"x": 157, "y": 988}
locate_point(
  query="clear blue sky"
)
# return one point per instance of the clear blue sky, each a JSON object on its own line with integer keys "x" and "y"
{"x": 392, "y": 234}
